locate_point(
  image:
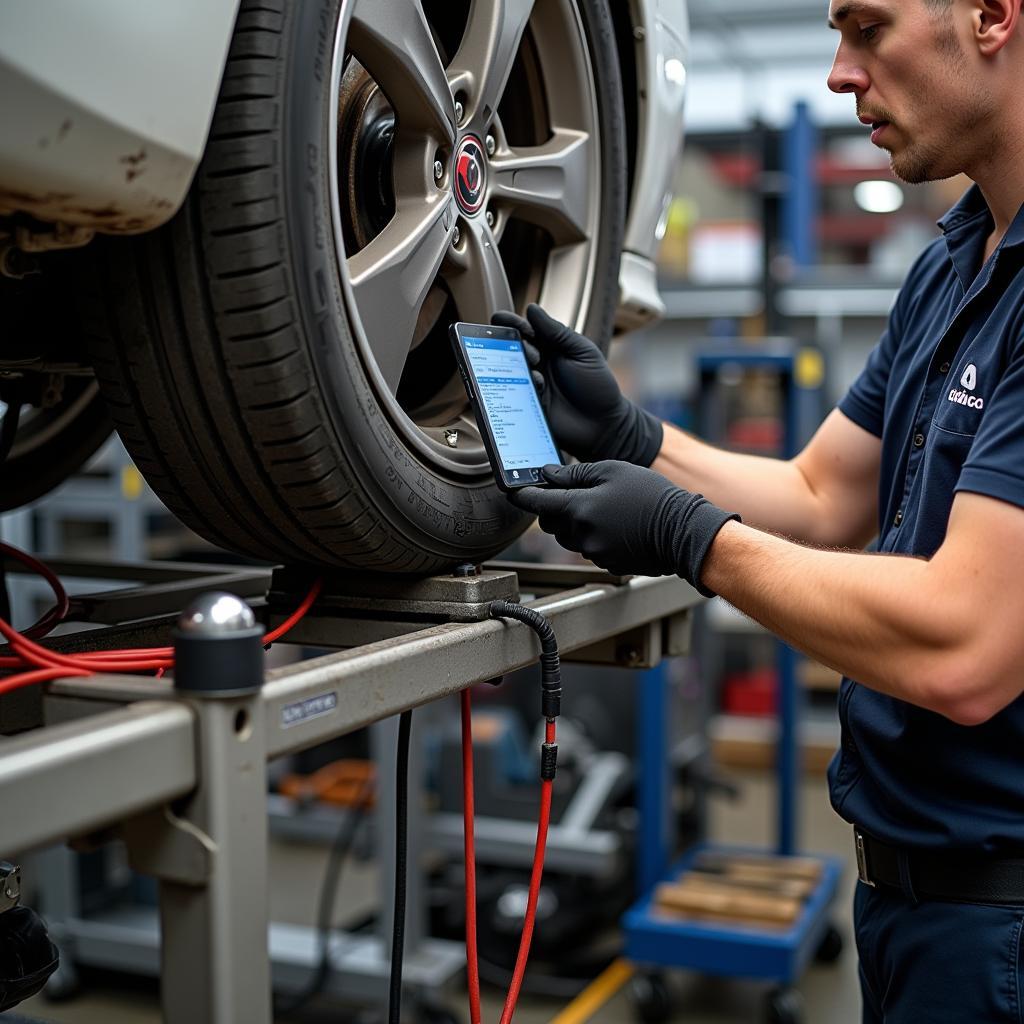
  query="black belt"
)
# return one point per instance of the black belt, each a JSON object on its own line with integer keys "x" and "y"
{"x": 952, "y": 877}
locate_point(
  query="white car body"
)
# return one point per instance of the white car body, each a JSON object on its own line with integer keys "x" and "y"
{"x": 106, "y": 106}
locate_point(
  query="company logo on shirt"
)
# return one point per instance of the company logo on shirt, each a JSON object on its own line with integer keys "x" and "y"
{"x": 968, "y": 382}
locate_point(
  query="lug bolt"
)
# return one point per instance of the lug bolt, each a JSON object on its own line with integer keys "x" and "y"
{"x": 490, "y": 219}
{"x": 438, "y": 170}
{"x": 451, "y": 438}
{"x": 456, "y": 235}
{"x": 459, "y": 111}
{"x": 491, "y": 145}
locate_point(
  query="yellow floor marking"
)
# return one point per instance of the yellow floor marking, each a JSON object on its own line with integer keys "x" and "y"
{"x": 596, "y": 994}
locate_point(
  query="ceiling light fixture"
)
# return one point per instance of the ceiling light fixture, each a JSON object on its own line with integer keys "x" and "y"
{"x": 879, "y": 196}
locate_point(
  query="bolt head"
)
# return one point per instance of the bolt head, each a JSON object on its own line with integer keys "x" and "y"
{"x": 491, "y": 145}
{"x": 438, "y": 170}
{"x": 460, "y": 110}
{"x": 216, "y": 614}
{"x": 490, "y": 219}
{"x": 456, "y": 235}
{"x": 451, "y": 438}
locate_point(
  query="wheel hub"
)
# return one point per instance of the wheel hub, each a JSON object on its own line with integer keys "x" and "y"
{"x": 470, "y": 175}
{"x": 366, "y": 132}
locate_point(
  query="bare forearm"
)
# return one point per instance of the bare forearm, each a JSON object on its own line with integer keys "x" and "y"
{"x": 892, "y": 623}
{"x": 770, "y": 494}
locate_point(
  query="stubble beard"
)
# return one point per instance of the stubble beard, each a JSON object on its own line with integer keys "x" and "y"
{"x": 921, "y": 162}
{"x": 918, "y": 164}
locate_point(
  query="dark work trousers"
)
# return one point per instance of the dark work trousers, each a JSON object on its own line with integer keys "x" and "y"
{"x": 933, "y": 962}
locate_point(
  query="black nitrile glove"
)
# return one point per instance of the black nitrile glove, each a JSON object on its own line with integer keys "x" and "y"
{"x": 27, "y": 956}
{"x": 590, "y": 417}
{"x": 626, "y": 519}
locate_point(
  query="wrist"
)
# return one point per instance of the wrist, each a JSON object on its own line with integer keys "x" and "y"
{"x": 717, "y": 570}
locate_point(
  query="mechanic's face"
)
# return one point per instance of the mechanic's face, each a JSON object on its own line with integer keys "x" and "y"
{"x": 906, "y": 64}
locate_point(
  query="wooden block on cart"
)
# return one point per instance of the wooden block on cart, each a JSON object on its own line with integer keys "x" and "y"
{"x": 796, "y": 888}
{"x": 726, "y": 904}
{"x": 760, "y": 865}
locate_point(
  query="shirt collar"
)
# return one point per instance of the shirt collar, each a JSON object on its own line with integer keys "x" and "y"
{"x": 972, "y": 213}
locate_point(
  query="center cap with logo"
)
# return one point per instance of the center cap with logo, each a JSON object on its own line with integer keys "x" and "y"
{"x": 470, "y": 174}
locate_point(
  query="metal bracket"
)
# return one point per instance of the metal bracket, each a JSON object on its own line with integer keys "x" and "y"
{"x": 10, "y": 885}
{"x": 643, "y": 647}
{"x": 168, "y": 847}
{"x": 356, "y": 608}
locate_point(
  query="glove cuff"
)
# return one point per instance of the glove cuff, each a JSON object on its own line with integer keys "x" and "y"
{"x": 693, "y": 524}
{"x": 634, "y": 436}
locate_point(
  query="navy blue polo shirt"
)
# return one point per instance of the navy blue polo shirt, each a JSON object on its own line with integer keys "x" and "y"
{"x": 944, "y": 390}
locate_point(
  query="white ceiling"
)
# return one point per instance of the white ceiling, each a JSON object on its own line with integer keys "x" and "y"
{"x": 754, "y": 59}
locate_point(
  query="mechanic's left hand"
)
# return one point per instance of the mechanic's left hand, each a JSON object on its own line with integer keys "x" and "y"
{"x": 626, "y": 519}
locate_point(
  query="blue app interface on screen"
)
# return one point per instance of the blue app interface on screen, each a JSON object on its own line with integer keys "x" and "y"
{"x": 506, "y": 392}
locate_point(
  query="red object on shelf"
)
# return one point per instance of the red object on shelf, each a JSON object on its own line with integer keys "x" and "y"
{"x": 751, "y": 693}
{"x": 756, "y": 434}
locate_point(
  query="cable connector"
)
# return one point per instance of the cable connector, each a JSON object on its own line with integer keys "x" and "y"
{"x": 548, "y": 761}
{"x": 550, "y": 665}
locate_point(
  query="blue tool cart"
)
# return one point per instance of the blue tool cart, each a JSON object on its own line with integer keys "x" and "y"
{"x": 657, "y": 938}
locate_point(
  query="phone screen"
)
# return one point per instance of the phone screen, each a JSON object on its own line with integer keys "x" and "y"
{"x": 501, "y": 377}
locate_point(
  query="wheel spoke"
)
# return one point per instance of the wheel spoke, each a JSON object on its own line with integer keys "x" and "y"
{"x": 481, "y": 67}
{"x": 391, "y": 277}
{"x": 548, "y": 185}
{"x": 476, "y": 276}
{"x": 393, "y": 41}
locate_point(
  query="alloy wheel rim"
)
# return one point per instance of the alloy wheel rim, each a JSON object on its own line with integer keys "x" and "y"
{"x": 440, "y": 246}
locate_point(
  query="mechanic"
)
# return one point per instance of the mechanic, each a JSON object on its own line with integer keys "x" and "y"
{"x": 930, "y": 439}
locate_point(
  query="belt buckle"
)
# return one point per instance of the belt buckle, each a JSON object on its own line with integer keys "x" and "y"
{"x": 862, "y": 858}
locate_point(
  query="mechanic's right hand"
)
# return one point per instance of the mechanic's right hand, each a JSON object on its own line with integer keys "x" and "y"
{"x": 590, "y": 417}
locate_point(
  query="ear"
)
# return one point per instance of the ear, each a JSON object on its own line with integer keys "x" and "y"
{"x": 994, "y": 24}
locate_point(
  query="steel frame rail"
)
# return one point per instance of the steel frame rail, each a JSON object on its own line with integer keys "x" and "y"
{"x": 184, "y": 781}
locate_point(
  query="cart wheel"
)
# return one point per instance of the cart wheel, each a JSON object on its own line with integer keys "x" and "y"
{"x": 831, "y": 946}
{"x": 65, "y": 982}
{"x": 784, "y": 1006}
{"x": 651, "y": 1000}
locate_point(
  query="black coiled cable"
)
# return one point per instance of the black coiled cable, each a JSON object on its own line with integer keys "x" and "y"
{"x": 550, "y": 666}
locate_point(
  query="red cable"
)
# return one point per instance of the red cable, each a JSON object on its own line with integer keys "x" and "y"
{"x": 59, "y": 610}
{"x": 469, "y": 845}
{"x": 536, "y": 874}
{"x": 43, "y": 675}
{"x": 44, "y": 664}
{"x": 543, "y": 821}
{"x": 307, "y": 603}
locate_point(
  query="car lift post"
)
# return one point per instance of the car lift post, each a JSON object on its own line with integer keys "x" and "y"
{"x": 210, "y": 856}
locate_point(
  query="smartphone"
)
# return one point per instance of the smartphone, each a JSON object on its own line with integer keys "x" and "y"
{"x": 497, "y": 378}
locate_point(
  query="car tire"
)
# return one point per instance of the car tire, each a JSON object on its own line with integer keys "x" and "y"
{"x": 53, "y": 442}
{"x": 228, "y": 352}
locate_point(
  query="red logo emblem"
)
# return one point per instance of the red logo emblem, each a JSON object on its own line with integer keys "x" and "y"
{"x": 470, "y": 174}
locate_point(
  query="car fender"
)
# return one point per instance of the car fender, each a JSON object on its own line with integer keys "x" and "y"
{"x": 661, "y": 39}
{"x": 107, "y": 106}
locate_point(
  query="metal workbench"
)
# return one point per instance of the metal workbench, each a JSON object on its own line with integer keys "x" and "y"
{"x": 182, "y": 781}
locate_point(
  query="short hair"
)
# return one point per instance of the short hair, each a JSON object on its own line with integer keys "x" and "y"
{"x": 938, "y": 5}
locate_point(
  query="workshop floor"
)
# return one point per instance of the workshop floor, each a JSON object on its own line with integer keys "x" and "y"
{"x": 831, "y": 993}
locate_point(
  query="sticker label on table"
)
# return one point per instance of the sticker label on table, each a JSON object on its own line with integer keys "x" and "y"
{"x": 312, "y": 707}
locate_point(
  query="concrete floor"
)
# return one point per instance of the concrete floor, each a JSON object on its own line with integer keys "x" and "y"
{"x": 831, "y": 993}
